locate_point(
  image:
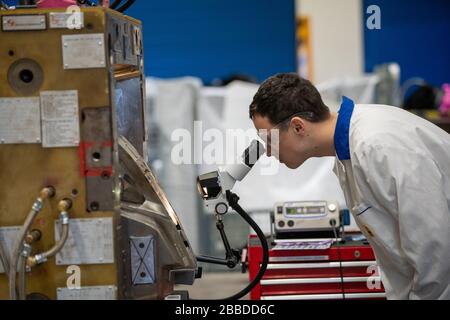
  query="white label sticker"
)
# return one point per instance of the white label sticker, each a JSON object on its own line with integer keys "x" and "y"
{"x": 7, "y": 237}
{"x": 83, "y": 51}
{"x": 88, "y": 293}
{"x": 90, "y": 241}
{"x": 63, "y": 20}
{"x": 20, "y": 120}
{"x": 28, "y": 22}
{"x": 60, "y": 121}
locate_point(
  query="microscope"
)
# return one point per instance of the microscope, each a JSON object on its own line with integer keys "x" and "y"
{"x": 215, "y": 188}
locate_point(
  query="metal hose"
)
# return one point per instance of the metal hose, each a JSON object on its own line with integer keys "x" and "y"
{"x": 43, "y": 257}
{"x": 58, "y": 245}
{"x": 4, "y": 260}
{"x": 64, "y": 218}
{"x": 18, "y": 245}
{"x": 17, "y": 248}
{"x": 22, "y": 270}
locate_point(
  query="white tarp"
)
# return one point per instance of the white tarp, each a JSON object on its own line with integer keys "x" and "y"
{"x": 177, "y": 103}
{"x": 170, "y": 106}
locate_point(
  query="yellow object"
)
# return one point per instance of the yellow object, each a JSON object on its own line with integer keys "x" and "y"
{"x": 26, "y": 168}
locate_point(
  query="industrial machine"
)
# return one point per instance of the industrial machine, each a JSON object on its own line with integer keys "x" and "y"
{"x": 300, "y": 219}
{"x": 81, "y": 214}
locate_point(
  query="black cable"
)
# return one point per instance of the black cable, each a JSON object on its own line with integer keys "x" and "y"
{"x": 4, "y": 5}
{"x": 127, "y": 4}
{"x": 214, "y": 260}
{"x": 233, "y": 201}
{"x": 87, "y": 3}
{"x": 340, "y": 263}
{"x": 115, "y": 4}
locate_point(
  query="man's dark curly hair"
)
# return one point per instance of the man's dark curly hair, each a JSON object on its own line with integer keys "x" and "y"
{"x": 285, "y": 94}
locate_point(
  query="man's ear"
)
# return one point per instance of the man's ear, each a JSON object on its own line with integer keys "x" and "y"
{"x": 298, "y": 125}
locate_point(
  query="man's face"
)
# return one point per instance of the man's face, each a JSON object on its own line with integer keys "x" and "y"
{"x": 291, "y": 147}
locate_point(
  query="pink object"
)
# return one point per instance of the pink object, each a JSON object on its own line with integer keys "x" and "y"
{"x": 56, "y": 3}
{"x": 445, "y": 103}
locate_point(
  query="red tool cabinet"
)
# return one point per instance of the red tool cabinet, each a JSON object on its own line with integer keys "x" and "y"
{"x": 347, "y": 271}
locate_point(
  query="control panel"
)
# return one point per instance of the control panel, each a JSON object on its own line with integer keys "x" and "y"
{"x": 305, "y": 216}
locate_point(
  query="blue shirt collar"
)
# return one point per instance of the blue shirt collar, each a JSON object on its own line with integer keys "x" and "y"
{"x": 342, "y": 131}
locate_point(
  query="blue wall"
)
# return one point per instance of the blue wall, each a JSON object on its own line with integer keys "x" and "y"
{"x": 415, "y": 33}
{"x": 214, "y": 38}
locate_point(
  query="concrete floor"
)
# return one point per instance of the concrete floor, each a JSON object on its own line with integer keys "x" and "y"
{"x": 217, "y": 285}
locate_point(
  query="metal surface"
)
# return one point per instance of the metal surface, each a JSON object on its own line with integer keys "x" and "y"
{"x": 153, "y": 217}
{"x": 142, "y": 260}
{"x": 84, "y": 51}
{"x": 126, "y": 45}
{"x": 25, "y": 76}
{"x": 90, "y": 242}
{"x": 24, "y": 22}
{"x": 59, "y": 116}
{"x": 129, "y": 108}
{"x": 87, "y": 293}
{"x": 62, "y": 20}
{"x": 19, "y": 120}
{"x": 115, "y": 197}
{"x": 26, "y": 168}
{"x": 138, "y": 172}
{"x": 7, "y": 237}
{"x": 97, "y": 149}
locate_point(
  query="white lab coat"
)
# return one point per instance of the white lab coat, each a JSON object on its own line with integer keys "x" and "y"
{"x": 397, "y": 186}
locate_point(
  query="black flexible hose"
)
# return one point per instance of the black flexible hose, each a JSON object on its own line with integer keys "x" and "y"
{"x": 127, "y": 4}
{"x": 233, "y": 202}
{"x": 115, "y": 4}
{"x": 211, "y": 260}
{"x": 340, "y": 263}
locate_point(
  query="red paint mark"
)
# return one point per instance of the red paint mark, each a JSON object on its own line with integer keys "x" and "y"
{"x": 93, "y": 172}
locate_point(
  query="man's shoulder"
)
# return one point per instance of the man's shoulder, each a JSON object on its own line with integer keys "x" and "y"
{"x": 372, "y": 127}
{"x": 379, "y": 126}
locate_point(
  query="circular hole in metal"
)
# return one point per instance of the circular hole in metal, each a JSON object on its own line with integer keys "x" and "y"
{"x": 74, "y": 192}
{"x": 37, "y": 296}
{"x": 105, "y": 175}
{"x": 143, "y": 274}
{"x": 26, "y": 75}
{"x": 141, "y": 245}
{"x": 94, "y": 206}
{"x": 10, "y": 53}
{"x": 96, "y": 156}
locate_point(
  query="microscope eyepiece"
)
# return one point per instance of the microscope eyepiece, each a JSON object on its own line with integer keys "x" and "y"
{"x": 253, "y": 152}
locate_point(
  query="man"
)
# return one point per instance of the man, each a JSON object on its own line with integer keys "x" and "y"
{"x": 393, "y": 166}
